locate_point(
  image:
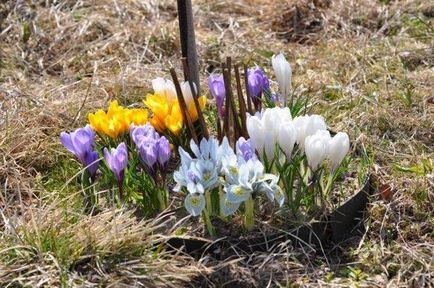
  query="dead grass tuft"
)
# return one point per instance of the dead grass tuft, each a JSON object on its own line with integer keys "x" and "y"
{"x": 56, "y": 247}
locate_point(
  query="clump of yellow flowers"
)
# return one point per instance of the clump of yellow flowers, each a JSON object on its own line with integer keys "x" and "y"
{"x": 117, "y": 119}
{"x": 165, "y": 107}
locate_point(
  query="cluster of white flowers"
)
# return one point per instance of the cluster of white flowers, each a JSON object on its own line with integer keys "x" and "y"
{"x": 275, "y": 126}
{"x": 240, "y": 173}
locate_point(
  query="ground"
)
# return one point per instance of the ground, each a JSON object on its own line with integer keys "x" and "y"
{"x": 368, "y": 66}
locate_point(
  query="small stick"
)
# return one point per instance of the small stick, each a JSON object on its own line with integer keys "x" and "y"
{"x": 226, "y": 120}
{"x": 183, "y": 106}
{"x": 229, "y": 95}
{"x": 219, "y": 127}
{"x": 202, "y": 122}
{"x": 249, "y": 98}
{"x": 229, "y": 65}
{"x": 241, "y": 102}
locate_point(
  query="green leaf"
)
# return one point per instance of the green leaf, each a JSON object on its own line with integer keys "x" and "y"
{"x": 26, "y": 31}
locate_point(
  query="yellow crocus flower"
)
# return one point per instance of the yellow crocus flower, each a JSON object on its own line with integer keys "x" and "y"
{"x": 117, "y": 119}
{"x": 165, "y": 107}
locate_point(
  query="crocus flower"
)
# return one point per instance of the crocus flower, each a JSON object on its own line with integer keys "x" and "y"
{"x": 256, "y": 133}
{"x": 80, "y": 143}
{"x": 165, "y": 88}
{"x": 217, "y": 88}
{"x": 264, "y": 129}
{"x": 227, "y": 207}
{"x": 117, "y": 160}
{"x": 194, "y": 203}
{"x": 251, "y": 178}
{"x": 199, "y": 176}
{"x": 257, "y": 83}
{"x": 165, "y": 107}
{"x": 272, "y": 189}
{"x": 316, "y": 148}
{"x": 245, "y": 149}
{"x": 164, "y": 151}
{"x": 117, "y": 119}
{"x": 307, "y": 126}
{"x": 287, "y": 137}
{"x": 152, "y": 148}
{"x": 283, "y": 72}
{"x": 207, "y": 149}
{"x": 338, "y": 148}
{"x": 141, "y": 133}
{"x": 148, "y": 151}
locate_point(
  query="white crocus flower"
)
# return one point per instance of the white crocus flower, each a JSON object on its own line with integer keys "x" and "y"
{"x": 186, "y": 92}
{"x": 227, "y": 207}
{"x": 307, "y": 126}
{"x": 256, "y": 133}
{"x": 338, "y": 148}
{"x": 180, "y": 176}
{"x": 283, "y": 72}
{"x": 316, "y": 148}
{"x": 165, "y": 88}
{"x": 284, "y": 114}
{"x": 264, "y": 129}
{"x": 248, "y": 174}
{"x": 287, "y": 138}
{"x": 207, "y": 149}
{"x": 194, "y": 203}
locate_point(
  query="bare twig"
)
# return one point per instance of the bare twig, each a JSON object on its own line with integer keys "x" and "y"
{"x": 202, "y": 122}
{"x": 183, "y": 106}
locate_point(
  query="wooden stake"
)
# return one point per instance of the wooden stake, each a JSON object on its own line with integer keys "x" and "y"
{"x": 249, "y": 98}
{"x": 219, "y": 127}
{"x": 232, "y": 108}
{"x": 241, "y": 102}
{"x": 227, "y": 117}
{"x": 188, "y": 40}
{"x": 202, "y": 122}
{"x": 183, "y": 106}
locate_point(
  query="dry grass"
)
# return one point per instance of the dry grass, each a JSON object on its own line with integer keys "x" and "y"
{"x": 367, "y": 65}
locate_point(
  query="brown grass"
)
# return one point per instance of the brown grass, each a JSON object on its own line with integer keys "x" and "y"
{"x": 366, "y": 65}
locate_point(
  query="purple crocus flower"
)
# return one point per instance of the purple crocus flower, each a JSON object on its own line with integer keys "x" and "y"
{"x": 149, "y": 153}
{"x": 217, "y": 88}
{"x": 152, "y": 148}
{"x": 117, "y": 160}
{"x": 257, "y": 83}
{"x": 143, "y": 132}
{"x": 164, "y": 152}
{"x": 92, "y": 163}
{"x": 80, "y": 143}
{"x": 274, "y": 97}
{"x": 245, "y": 149}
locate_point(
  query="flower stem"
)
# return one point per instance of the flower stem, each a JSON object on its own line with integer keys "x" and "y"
{"x": 206, "y": 214}
{"x": 249, "y": 217}
{"x": 121, "y": 190}
{"x": 329, "y": 184}
{"x": 161, "y": 198}
{"x": 209, "y": 204}
{"x": 208, "y": 224}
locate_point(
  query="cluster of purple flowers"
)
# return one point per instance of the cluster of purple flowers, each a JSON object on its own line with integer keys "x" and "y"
{"x": 257, "y": 83}
{"x": 81, "y": 143}
{"x": 154, "y": 149}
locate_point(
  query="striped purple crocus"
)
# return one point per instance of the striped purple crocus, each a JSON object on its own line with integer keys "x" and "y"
{"x": 257, "y": 83}
{"x": 81, "y": 143}
{"x": 117, "y": 161}
{"x": 217, "y": 89}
